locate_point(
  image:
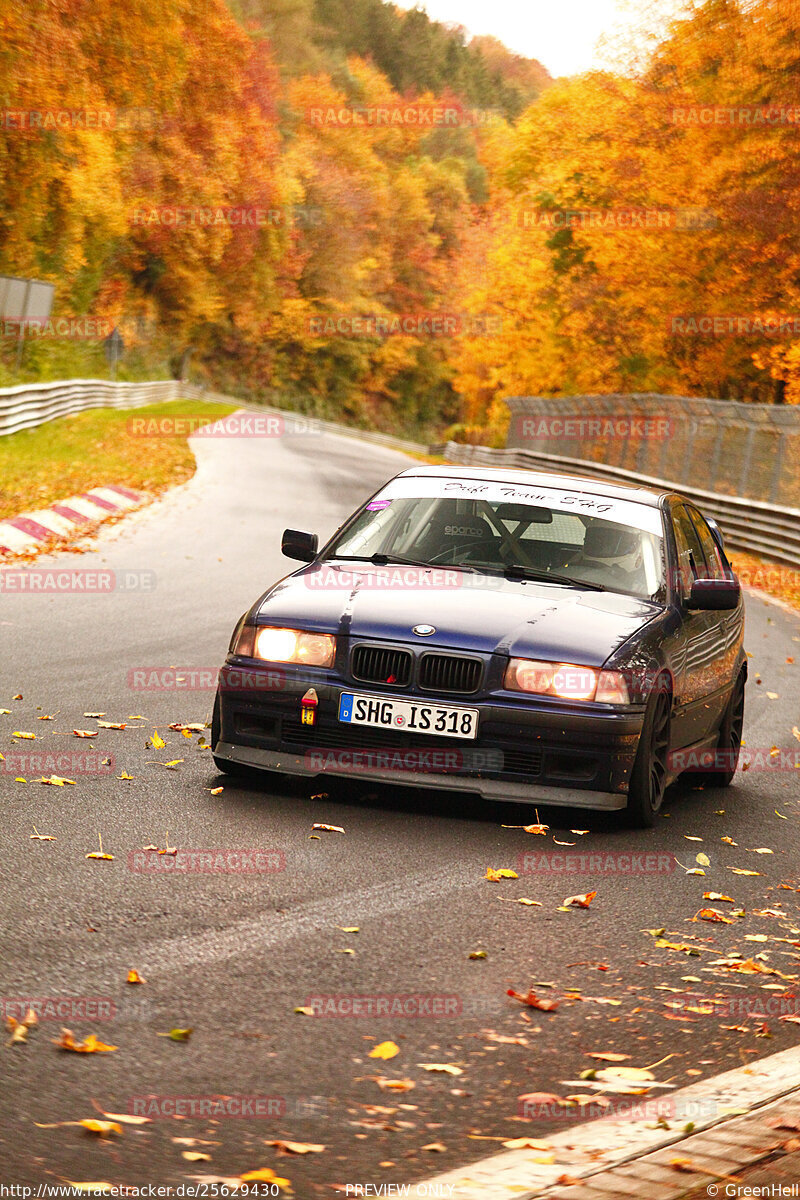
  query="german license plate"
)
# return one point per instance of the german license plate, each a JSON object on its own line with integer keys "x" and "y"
{"x": 382, "y": 712}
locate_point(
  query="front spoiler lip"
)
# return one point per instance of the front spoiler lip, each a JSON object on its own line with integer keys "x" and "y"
{"x": 490, "y": 789}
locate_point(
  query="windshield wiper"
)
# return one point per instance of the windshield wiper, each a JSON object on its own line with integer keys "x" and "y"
{"x": 517, "y": 571}
{"x": 381, "y": 560}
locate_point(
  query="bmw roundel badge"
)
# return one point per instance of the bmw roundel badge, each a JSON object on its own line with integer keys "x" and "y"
{"x": 423, "y": 630}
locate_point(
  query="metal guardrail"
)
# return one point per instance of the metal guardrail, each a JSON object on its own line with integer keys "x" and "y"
{"x": 762, "y": 529}
{"x": 33, "y": 404}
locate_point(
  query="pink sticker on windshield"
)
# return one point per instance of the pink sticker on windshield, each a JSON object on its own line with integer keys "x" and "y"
{"x": 375, "y": 505}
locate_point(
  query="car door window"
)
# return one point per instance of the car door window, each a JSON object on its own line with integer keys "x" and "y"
{"x": 713, "y": 561}
{"x": 691, "y": 559}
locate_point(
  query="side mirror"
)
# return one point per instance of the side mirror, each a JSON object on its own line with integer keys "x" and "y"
{"x": 714, "y": 594}
{"x": 295, "y": 544}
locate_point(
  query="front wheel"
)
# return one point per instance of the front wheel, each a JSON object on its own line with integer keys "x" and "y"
{"x": 729, "y": 743}
{"x": 649, "y": 774}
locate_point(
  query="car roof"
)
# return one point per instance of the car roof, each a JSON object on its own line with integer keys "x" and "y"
{"x": 552, "y": 479}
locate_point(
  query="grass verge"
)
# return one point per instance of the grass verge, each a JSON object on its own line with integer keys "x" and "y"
{"x": 91, "y": 449}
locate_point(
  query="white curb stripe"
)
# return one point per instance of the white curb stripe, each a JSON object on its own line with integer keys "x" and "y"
{"x": 609, "y": 1142}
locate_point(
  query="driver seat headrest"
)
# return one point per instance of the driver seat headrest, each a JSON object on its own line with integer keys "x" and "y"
{"x": 609, "y": 541}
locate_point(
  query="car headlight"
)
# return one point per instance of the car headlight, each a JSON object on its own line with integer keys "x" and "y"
{"x": 566, "y": 680}
{"x": 286, "y": 645}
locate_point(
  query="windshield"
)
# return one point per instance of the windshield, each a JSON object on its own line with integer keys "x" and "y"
{"x": 520, "y": 539}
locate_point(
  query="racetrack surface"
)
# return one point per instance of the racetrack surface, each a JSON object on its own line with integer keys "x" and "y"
{"x": 231, "y": 955}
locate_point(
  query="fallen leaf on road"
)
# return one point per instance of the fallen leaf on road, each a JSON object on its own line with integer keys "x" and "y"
{"x": 759, "y": 850}
{"x": 177, "y": 1035}
{"x": 305, "y": 1012}
{"x": 134, "y": 977}
{"x": 20, "y": 734}
{"x": 607, "y": 1056}
{"x": 729, "y": 841}
{"x": 195, "y": 1156}
{"x": 126, "y": 1119}
{"x": 112, "y": 724}
{"x": 156, "y": 742}
{"x": 741, "y": 871}
{"x": 718, "y": 896}
{"x": 711, "y": 914}
{"x": 443, "y": 1068}
{"x": 216, "y": 791}
{"x": 265, "y": 1175}
{"x": 437, "y": 1146}
{"x": 522, "y": 900}
{"x": 632, "y": 1074}
{"x": 102, "y": 1128}
{"x": 85, "y": 733}
{"x": 583, "y": 900}
{"x": 384, "y": 1050}
{"x": 296, "y": 1147}
{"x": 394, "y": 1085}
{"x": 532, "y": 1000}
{"x": 525, "y": 1143}
{"x": 328, "y": 828}
{"x": 501, "y": 873}
{"x": 543, "y": 1098}
{"x": 90, "y": 1045}
{"x": 477, "y": 954}
{"x": 56, "y": 780}
{"x": 94, "y": 714}
{"x": 41, "y": 837}
{"x": 99, "y": 853}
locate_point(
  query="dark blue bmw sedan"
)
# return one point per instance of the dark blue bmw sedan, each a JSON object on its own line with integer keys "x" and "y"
{"x": 530, "y": 637}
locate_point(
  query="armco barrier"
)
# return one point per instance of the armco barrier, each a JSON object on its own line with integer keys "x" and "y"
{"x": 33, "y": 404}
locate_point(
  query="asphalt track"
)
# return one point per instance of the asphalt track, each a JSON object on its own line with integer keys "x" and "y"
{"x": 233, "y": 954}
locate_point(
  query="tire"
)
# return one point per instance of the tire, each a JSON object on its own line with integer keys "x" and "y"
{"x": 649, "y": 774}
{"x": 729, "y": 743}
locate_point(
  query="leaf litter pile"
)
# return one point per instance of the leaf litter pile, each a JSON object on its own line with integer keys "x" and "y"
{"x": 730, "y": 968}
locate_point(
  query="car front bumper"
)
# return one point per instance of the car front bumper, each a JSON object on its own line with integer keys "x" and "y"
{"x": 538, "y": 753}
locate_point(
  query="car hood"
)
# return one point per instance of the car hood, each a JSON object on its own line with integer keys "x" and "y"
{"x": 468, "y": 612}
